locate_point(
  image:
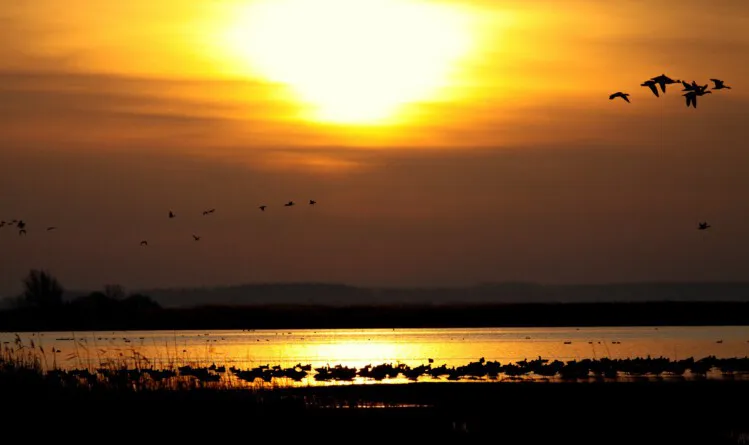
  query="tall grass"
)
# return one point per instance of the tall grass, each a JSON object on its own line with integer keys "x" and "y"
{"x": 130, "y": 370}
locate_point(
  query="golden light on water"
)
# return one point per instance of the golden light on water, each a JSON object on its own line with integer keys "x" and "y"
{"x": 352, "y": 61}
{"x": 361, "y": 347}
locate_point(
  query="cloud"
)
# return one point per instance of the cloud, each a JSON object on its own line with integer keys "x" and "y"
{"x": 530, "y": 174}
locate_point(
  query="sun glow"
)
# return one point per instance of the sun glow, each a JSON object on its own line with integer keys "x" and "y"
{"x": 352, "y": 61}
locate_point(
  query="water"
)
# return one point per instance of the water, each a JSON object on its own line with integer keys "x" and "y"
{"x": 360, "y": 347}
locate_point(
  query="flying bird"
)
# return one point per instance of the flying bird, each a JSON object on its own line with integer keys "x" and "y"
{"x": 312, "y": 202}
{"x": 171, "y": 214}
{"x": 20, "y": 224}
{"x": 51, "y": 228}
{"x": 663, "y": 80}
{"x": 719, "y": 85}
{"x": 703, "y": 226}
{"x": 691, "y": 99}
{"x": 651, "y": 84}
{"x": 208, "y": 212}
{"x": 289, "y": 204}
{"x": 262, "y": 208}
{"x": 196, "y": 238}
{"x": 619, "y": 94}
{"x": 2, "y": 224}
{"x": 692, "y": 96}
{"x": 22, "y": 232}
{"x": 693, "y": 87}
{"x": 144, "y": 243}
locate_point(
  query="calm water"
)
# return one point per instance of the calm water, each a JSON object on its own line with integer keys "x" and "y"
{"x": 358, "y": 348}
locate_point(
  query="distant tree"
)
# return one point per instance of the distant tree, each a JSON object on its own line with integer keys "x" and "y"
{"x": 42, "y": 290}
{"x": 94, "y": 300}
{"x": 17, "y": 302}
{"x": 8, "y": 302}
{"x": 138, "y": 302}
{"x": 115, "y": 292}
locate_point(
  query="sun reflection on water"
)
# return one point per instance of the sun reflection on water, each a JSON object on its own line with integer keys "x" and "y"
{"x": 358, "y": 348}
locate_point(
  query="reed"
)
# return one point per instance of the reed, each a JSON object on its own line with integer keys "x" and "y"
{"x": 130, "y": 370}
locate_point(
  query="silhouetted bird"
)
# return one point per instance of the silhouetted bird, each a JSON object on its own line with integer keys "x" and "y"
{"x": 262, "y": 208}
{"x": 196, "y": 238}
{"x": 692, "y": 97}
{"x": 289, "y": 204}
{"x": 144, "y": 243}
{"x": 51, "y": 228}
{"x": 719, "y": 84}
{"x": 693, "y": 87}
{"x": 311, "y": 202}
{"x": 663, "y": 80}
{"x": 651, "y": 84}
{"x": 2, "y": 224}
{"x": 619, "y": 94}
{"x": 703, "y": 226}
{"x": 208, "y": 212}
{"x": 20, "y": 224}
{"x": 22, "y": 232}
{"x": 171, "y": 214}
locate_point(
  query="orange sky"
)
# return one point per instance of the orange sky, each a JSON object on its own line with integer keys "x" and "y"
{"x": 502, "y": 158}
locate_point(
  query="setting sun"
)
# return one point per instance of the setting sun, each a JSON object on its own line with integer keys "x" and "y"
{"x": 352, "y": 61}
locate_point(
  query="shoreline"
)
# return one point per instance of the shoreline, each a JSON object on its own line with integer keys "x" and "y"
{"x": 68, "y": 317}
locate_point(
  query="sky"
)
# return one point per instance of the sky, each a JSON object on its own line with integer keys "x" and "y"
{"x": 446, "y": 142}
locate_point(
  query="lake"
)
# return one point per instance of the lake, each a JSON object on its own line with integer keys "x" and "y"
{"x": 352, "y": 347}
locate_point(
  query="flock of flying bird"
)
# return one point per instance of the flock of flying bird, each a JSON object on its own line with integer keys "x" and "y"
{"x": 21, "y": 225}
{"x": 692, "y": 90}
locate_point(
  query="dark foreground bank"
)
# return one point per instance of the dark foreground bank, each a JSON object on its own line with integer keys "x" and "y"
{"x": 707, "y": 412}
{"x": 105, "y": 315}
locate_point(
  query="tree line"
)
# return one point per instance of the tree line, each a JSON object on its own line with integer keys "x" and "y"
{"x": 42, "y": 292}
{"x": 41, "y": 307}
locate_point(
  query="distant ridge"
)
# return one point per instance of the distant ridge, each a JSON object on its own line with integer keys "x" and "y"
{"x": 491, "y": 293}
